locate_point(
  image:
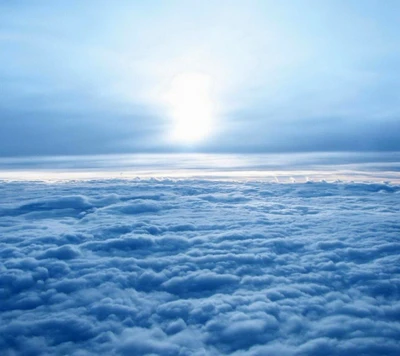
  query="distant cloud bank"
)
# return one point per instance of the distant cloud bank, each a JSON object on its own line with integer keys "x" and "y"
{"x": 292, "y": 167}
{"x": 197, "y": 267}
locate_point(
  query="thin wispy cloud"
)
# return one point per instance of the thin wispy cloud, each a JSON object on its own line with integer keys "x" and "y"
{"x": 97, "y": 78}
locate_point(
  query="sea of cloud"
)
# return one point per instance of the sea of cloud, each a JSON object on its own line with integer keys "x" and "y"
{"x": 199, "y": 267}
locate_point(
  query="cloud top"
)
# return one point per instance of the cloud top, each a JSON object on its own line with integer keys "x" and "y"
{"x": 199, "y": 267}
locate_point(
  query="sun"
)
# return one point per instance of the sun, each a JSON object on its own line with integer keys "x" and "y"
{"x": 191, "y": 107}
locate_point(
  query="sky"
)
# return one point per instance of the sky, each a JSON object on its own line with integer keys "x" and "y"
{"x": 200, "y": 177}
{"x": 100, "y": 77}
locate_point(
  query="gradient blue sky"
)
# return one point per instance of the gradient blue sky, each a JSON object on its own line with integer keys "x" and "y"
{"x": 90, "y": 77}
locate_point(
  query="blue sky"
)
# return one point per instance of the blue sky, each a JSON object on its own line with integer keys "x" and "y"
{"x": 97, "y": 77}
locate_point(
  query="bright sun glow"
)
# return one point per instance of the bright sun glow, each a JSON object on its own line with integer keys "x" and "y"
{"x": 189, "y": 99}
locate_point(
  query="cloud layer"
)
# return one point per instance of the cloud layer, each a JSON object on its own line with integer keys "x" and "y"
{"x": 197, "y": 267}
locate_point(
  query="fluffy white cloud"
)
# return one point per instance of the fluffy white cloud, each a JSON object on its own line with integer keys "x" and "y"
{"x": 198, "y": 267}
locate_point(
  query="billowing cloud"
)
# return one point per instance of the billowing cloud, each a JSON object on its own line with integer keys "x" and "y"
{"x": 197, "y": 267}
